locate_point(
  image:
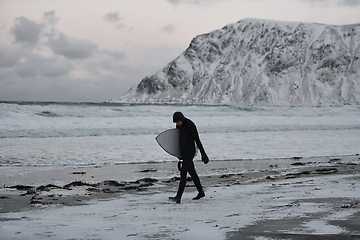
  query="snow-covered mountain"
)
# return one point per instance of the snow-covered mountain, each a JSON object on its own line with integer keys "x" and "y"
{"x": 261, "y": 62}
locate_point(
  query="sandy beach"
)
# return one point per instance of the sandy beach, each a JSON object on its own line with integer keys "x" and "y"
{"x": 298, "y": 198}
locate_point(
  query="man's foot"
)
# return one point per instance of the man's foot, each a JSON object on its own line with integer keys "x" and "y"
{"x": 175, "y": 199}
{"x": 200, "y": 195}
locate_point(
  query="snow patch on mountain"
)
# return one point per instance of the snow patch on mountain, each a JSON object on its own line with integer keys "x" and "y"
{"x": 261, "y": 62}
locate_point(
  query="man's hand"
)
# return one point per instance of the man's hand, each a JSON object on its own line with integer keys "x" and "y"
{"x": 179, "y": 165}
{"x": 204, "y": 158}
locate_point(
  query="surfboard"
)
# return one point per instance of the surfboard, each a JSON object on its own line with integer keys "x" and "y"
{"x": 169, "y": 141}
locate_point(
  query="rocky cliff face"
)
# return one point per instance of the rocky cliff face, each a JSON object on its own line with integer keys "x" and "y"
{"x": 261, "y": 62}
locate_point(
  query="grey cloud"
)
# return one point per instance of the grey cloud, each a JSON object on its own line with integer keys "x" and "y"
{"x": 26, "y": 31}
{"x": 119, "y": 55}
{"x": 112, "y": 17}
{"x": 346, "y": 3}
{"x": 174, "y": 1}
{"x": 351, "y": 3}
{"x": 120, "y": 26}
{"x": 10, "y": 54}
{"x": 105, "y": 63}
{"x": 73, "y": 48}
{"x": 36, "y": 65}
{"x": 169, "y": 29}
{"x": 116, "y": 20}
{"x": 50, "y": 18}
{"x": 6, "y": 76}
{"x": 97, "y": 74}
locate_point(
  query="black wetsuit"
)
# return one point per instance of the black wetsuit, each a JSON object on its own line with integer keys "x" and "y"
{"x": 188, "y": 137}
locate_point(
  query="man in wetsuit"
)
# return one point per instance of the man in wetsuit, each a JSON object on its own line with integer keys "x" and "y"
{"x": 188, "y": 137}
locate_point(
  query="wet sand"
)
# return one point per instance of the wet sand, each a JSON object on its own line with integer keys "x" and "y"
{"x": 26, "y": 189}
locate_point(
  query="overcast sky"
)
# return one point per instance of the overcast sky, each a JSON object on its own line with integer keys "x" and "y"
{"x": 94, "y": 50}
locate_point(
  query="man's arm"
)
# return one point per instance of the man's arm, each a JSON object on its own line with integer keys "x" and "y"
{"x": 196, "y": 137}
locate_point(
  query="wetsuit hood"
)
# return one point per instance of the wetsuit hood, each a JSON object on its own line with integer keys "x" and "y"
{"x": 178, "y": 116}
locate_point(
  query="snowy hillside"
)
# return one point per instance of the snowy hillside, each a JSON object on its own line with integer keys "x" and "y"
{"x": 261, "y": 62}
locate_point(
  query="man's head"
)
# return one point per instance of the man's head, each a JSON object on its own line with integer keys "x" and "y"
{"x": 178, "y": 118}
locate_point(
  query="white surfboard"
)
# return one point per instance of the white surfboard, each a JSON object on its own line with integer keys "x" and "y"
{"x": 169, "y": 140}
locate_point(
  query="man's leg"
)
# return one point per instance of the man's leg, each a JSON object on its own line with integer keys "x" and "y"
{"x": 196, "y": 181}
{"x": 183, "y": 175}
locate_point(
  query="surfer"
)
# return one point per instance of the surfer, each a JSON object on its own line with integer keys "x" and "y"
{"x": 188, "y": 137}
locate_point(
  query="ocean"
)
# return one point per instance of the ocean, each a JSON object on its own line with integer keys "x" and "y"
{"x": 102, "y": 134}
